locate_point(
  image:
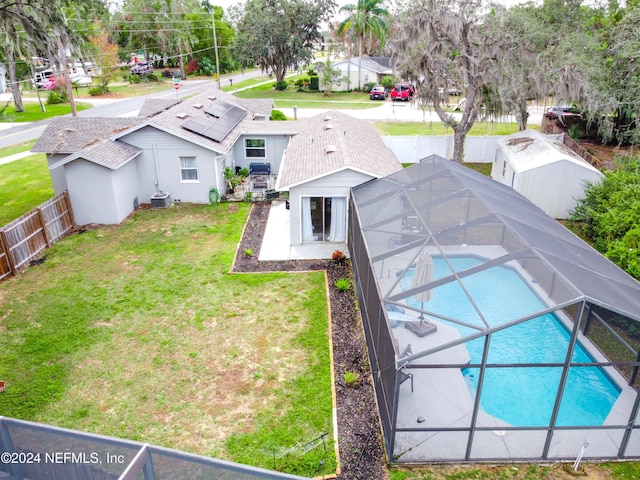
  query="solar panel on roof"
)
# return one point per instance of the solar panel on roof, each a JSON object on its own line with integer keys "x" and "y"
{"x": 216, "y": 129}
{"x": 219, "y": 109}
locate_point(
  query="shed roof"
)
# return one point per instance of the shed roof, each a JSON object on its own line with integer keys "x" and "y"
{"x": 72, "y": 134}
{"x": 529, "y": 149}
{"x": 106, "y": 153}
{"x": 331, "y": 142}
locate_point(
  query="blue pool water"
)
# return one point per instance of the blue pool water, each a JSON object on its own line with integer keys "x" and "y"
{"x": 519, "y": 396}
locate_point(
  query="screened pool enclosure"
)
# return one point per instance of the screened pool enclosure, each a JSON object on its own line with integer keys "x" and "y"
{"x": 493, "y": 332}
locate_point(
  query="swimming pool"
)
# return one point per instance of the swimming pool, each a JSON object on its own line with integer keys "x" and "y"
{"x": 522, "y": 396}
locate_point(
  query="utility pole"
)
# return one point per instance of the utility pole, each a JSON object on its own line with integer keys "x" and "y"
{"x": 65, "y": 72}
{"x": 215, "y": 45}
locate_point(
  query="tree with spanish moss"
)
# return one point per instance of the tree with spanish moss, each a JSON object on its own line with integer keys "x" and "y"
{"x": 33, "y": 28}
{"x": 438, "y": 43}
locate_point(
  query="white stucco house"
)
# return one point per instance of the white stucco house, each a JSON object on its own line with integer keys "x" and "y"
{"x": 372, "y": 69}
{"x": 332, "y": 153}
{"x": 544, "y": 170}
{"x": 176, "y": 149}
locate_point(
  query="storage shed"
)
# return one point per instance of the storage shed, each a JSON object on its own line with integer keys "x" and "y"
{"x": 544, "y": 170}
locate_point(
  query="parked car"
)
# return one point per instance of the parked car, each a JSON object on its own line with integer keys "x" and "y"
{"x": 378, "y": 93}
{"x": 141, "y": 68}
{"x": 553, "y": 112}
{"x": 402, "y": 91}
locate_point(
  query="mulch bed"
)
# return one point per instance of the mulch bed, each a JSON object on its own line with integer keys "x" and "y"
{"x": 359, "y": 438}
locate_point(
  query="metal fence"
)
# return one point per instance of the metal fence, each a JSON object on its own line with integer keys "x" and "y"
{"x": 26, "y": 237}
{"x": 35, "y": 451}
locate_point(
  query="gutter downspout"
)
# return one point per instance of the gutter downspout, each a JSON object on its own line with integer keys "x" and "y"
{"x": 155, "y": 166}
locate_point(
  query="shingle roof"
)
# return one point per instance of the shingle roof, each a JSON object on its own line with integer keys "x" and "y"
{"x": 173, "y": 118}
{"x": 331, "y": 142}
{"x": 107, "y": 153}
{"x": 375, "y": 64}
{"x": 153, "y": 106}
{"x": 72, "y": 134}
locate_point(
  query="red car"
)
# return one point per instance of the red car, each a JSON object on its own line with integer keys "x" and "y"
{"x": 402, "y": 91}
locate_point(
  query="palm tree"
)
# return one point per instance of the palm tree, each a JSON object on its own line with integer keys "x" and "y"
{"x": 368, "y": 20}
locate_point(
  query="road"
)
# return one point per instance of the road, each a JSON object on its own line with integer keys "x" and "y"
{"x": 129, "y": 107}
{"x": 385, "y": 111}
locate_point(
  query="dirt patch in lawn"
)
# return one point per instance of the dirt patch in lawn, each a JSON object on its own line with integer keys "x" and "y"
{"x": 360, "y": 443}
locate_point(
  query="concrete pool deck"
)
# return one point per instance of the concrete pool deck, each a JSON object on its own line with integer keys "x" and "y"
{"x": 441, "y": 398}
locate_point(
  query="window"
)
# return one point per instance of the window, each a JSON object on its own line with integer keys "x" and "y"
{"x": 188, "y": 168}
{"x": 255, "y": 148}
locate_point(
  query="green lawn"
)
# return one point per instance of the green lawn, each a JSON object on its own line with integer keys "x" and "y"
{"x": 438, "y": 128}
{"x": 138, "y": 331}
{"x": 24, "y": 184}
{"x": 16, "y": 148}
{"x": 34, "y": 113}
{"x": 291, "y": 96}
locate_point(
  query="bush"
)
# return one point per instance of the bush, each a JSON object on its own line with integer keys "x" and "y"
{"x": 299, "y": 83}
{"x": 609, "y": 214}
{"x": 368, "y": 86}
{"x": 342, "y": 284}
{"x": 206, "y": 67}
{"x": 351, "y": 378}
{"x": 192, "y": 66}
{"x": 56, "y": 98}
{"x": 127, "y": 77}
{"x": 97, "y": 90}
{"x": 388, "y": 81}
{"x": 281, "y": 85}
{"x": 339, "y": 258}
{"x": 166, "y": 73}
{"x": 277, "y": 115}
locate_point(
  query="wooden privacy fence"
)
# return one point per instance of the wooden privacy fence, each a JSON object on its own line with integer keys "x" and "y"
{"x": 23, "y": 239}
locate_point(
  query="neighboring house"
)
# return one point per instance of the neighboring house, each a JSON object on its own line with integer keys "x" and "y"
{"x": 544, "y": 170}
{"x": 177, "y": 148}
{"x": 333, "y": 153}
{"x": 372, "y": 70}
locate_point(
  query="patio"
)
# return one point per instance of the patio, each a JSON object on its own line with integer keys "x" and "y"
{"x": 276, "y": 244}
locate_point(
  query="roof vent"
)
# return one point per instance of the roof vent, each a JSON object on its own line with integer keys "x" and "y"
{"x": 212, "y": 97}
{"x": 328, "y": 126}
{"x": 182, "y": 115}
{"x": 327, "y": 118}
{"x": 198, "y": 105}
{"x": 330, "y": 149}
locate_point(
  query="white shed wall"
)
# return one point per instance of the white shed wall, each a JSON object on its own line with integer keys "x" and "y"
{"x": 555, "y": 188}
{"x": 100, "y": 195}
{"x": 333, "y": 185}
{"x": 57, "y": 174}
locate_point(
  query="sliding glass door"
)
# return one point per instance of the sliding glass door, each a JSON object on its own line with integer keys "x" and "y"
{"x": 324, "y": 219}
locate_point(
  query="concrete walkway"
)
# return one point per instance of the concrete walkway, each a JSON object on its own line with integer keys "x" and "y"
{"x": 16, "y": 156}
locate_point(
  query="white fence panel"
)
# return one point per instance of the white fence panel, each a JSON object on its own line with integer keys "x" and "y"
{"x": 412, "y": 148}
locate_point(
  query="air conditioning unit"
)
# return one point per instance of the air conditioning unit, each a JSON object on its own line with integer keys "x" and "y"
{"x": 160, "y": 200}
